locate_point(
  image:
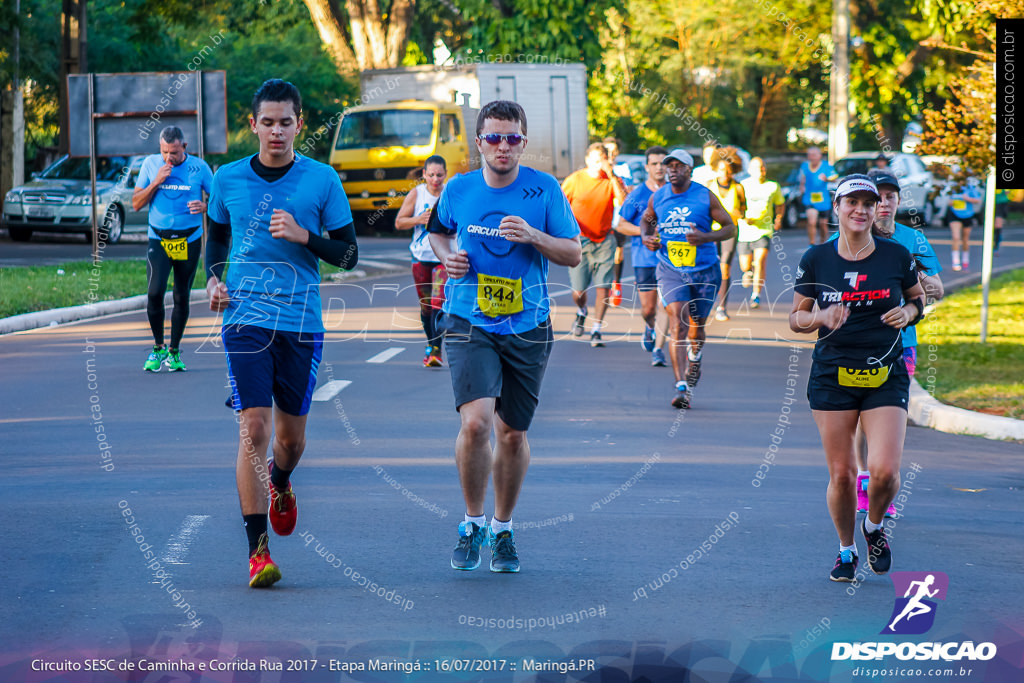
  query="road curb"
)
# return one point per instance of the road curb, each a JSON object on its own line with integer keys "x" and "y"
{"x": 927, "y": 411}
{"x": 58, "y": 316}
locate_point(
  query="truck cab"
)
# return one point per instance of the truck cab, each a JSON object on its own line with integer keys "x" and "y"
{"x": 379, "y": 150}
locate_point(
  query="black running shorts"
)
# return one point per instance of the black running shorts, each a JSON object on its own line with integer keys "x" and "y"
{"x": 507, "y": 367}
{"x": 827, "y": 391}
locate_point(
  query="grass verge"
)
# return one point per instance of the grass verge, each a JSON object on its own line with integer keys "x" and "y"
{"x": 957, "y": 369}
{"x": 24, "y": 289}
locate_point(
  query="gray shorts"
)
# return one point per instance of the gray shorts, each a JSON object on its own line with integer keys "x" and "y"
{"x": 507, "y": 367}
{"x": 596, "y": 265}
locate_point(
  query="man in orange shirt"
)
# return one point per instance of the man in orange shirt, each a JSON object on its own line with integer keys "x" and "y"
{"x": 593, "y": 193}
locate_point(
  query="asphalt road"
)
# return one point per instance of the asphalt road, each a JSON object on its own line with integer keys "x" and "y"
{"x": 649, "y": 544}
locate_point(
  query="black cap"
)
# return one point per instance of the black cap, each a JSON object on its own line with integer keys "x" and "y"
{"x": 883, "y": 177}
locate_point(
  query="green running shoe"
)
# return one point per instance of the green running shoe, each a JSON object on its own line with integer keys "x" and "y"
{"x": 156, "y": 359}
{"x": 173, "y": 361}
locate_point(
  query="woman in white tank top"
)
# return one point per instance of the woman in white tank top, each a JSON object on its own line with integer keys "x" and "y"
{"x": 427, "y": 272}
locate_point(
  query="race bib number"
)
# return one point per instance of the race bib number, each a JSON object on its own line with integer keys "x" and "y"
{"x": 499, "y": 295}
{"x": 817, "y": 197}
{"x": 177, "y": 249}
{"x": 866, "y": 379}
{"x": 959, "y": 204}
{"x": 682, "y": 254}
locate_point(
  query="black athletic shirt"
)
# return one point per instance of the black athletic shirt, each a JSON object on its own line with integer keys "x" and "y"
{"x": 869, "y": 288}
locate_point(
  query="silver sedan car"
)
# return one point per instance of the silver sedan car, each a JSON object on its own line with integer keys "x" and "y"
{"x": 59, "y": 200}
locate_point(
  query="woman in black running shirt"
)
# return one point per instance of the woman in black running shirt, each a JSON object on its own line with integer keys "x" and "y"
{"x": 858, "y": 292}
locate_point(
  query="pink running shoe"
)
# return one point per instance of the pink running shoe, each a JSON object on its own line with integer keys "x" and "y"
{"x": 862, "y": 493}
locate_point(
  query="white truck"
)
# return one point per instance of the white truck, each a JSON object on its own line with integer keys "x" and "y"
{"x": 553, "y": 96}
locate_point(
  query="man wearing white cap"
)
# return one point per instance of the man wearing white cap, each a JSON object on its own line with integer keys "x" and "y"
{"x": 677, "y": 224}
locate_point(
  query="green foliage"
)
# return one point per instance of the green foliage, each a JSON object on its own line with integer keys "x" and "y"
{"x": 564, "y": 28}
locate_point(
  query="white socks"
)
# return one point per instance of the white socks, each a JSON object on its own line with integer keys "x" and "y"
{"x": 480, "y": 521}
{"x": 497, "y": 527}
{"x": 870, "y": 526}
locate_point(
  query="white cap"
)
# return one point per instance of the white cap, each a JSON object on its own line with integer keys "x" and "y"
{"x": 856, "y": 183}
{"x": 680, "y": 155}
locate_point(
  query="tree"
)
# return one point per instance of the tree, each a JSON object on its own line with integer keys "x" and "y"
{"x": 363, "y": 36}
{"x": 964, "y": 126}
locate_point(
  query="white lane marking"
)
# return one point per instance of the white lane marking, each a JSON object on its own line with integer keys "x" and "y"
{"x": 330, "y": 390}
{"x": 386, "y": 355}
{"x": 379, "y": 264}
{"x": 179, "y": 544}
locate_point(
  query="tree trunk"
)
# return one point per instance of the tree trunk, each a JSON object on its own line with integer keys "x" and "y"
{"x": 399, "y": 25}
{"x": 332, "y": 33}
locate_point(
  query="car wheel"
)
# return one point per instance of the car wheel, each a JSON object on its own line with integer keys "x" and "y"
{"x": 792, "y": 215}
{"x": 113, "y": 225}
{"x": 19, "y": 234}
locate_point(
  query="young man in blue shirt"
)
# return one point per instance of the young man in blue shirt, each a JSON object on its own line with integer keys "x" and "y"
{"x": 509, "y": 221}
{"x": 645, "y": 261}
{"x": 172, "y": 183}
{"x": 273, "y": 210}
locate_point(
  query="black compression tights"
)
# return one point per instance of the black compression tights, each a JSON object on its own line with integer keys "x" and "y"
{"x": 158, "y": 268}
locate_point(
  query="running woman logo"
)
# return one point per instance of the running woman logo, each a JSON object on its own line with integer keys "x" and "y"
{"x": 914, "y": 613}
{"x": 855, "y": 279}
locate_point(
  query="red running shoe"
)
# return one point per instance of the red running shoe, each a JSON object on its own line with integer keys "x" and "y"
{"x": 263, "y": 573}
{"x": 616, "y": 294}
{"x": 283, "y": 510}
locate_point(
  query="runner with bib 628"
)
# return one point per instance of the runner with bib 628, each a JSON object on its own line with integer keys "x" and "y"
{"x": 858, "y": 292}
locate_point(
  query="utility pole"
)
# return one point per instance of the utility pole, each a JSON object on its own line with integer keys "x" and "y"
{"x": 839, "y": 83}
{"x": 73, "y": 57}
{"x": 12, "y": 120}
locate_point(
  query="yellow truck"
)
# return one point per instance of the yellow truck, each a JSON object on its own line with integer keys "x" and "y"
{"x": 379, "y": 150}
{"x": 408, "y": 114}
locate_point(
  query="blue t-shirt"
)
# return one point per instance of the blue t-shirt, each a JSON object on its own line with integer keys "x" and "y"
{"x": 917, "y": 244}
{"x": 168, "y": 209}
{"x": 274, "y": 283}
{"x": 632, "y": 211}
{"x": 472, "y": 211}
{"x": 677, "y": 214}
{"x": 968, "y": 210}
{"x": 815, "y": 189}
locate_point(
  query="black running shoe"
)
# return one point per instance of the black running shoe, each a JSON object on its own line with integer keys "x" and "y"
{"x": 595, "y": 339}
{"x": 577, "y": 327}
{"x": 504, "y": 558}
{"x": 692, "y": 372}
{"x": 682, "y": 399}
{"x": 879, "y": 555}
{"x": 846, "y": 567}
{"x": 466, "y": 555}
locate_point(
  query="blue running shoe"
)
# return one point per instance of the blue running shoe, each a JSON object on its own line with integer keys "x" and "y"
{"x": 648, "y": 341}
{"x": 846, "y": 567}
{"x": 504, "y": 558}
{"x": 658, "y": 358}
{"x": 466, "y": 555}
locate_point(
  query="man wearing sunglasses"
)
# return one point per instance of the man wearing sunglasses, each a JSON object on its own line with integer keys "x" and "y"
{"x": 508, "y": 221}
